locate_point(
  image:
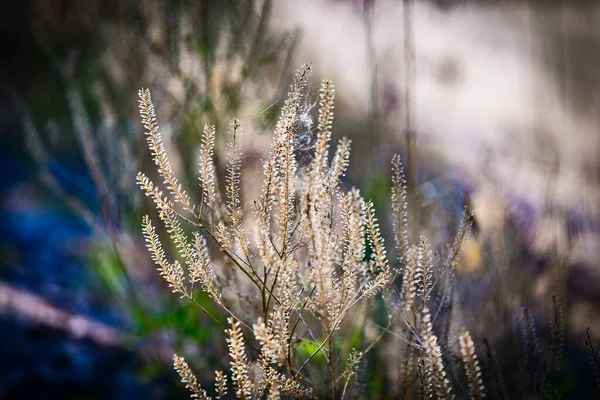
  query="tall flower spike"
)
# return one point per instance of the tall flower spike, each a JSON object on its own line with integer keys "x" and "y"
{"x": 400, "y": 209}
{"x": 239, "y": 364}
{"x": 379, "y": 253}
{"x": 152, "y": 191}
{"x": 426, "y": 285}
{"x": 460, "y": 238}
{"x": 207, "y": 174}
{"x": 233, "y": 174}
{"x": 352, "y": 212}
{"x": 269, "y": 346}
{"x": 188, "y": 377}
{"x": 288, "y": 387}
{"x": 233, "y": 189}
{"x": 425, "y": 383}
{"x": 471, "y": 363}
{"x": 287, "y": 167}
{"x": 326, "y": 103}
{"x": 173, "y": 273}
{"x": 178, "y": 236}
{"x": 413, "y": 277}
{"x": 154, "y": 139}
{"x": 289, "y": 112}
{"x": 284, "y": 173}
{"x": 434, "y": 359}
{"x": 282, "y": 136}
{"x": 220, "y": 384}
{"x": 339, "y": 163}
{"x": 201, "y": 270}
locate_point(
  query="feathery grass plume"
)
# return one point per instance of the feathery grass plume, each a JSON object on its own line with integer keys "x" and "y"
{"x": 471, "y": 364}
{"x": 268, "y": 255}
{"x": 153, "y": 192}
{"x": 496, "y": 378}
{"x": 400, "y": 210}
{"x": 594, "y": 355}
{"x": 171, "y": 272}
{"x": 407, "y": 369}
{"x": 557, "y": 333}
{"x": 287, "y": 292}
{"x": 223, "y": 236}
{"x": 427, "y": 281}
{"x": 462, "y": 234}
{"x": 220, "y": 384}
{"x": 326, "y": 107}
{"x": 354, "y": 269}
{"x": 418, "y": 275}
{"x": 232, "y": 190}
{"x": 278, "y": 170}
{"x": 318, "y": 193}
{"x": 178, "y": 236}
{"x": 361, "y": 279}
{"x": 433, "y": 358}
{"x": 197, "y": 263}
{"x": 361, "y": 378}
{"x": 239, "y": 364}
{"x": 201, "y": 270}
{"x": 340, "y": 161}
{"x": 287, "y": 386}
{"x": 169, "y": 216}
{"x": 207, "y": 174}
{"x": 283, "y": 131}
{"x": 287, "y": 167}
{"x": 379, "y": 256}
{"x": 188, "y": 377}
{"x": 158, "y": 151}
{"x": 351, "y": 367}
{"x": 425, "y": 381}
{"x": 270, "y": 349}
{"x": 413, "y": 277}
{"x": 274, "y": 336}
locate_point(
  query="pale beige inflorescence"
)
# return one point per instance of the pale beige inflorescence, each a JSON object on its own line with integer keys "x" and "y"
{"x": 305, "y": 256}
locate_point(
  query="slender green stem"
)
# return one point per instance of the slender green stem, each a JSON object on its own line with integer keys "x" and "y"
{"x": 205, "y": 311}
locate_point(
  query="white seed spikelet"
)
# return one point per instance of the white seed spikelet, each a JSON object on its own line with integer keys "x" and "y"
{"x": 471, "y": 363}
{"x": 158, "y": 151}
{"x": 188, "y": 377}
